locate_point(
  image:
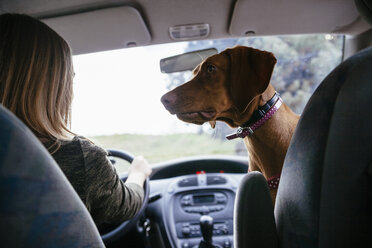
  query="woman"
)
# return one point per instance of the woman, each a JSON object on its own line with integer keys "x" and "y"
{"x": 36, "y": 75}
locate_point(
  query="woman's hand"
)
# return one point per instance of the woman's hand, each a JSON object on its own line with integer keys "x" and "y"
{"x": 139, "y": 171}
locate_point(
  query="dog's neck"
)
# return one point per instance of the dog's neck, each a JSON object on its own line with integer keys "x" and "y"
{"x": 268, "y": 145}
{"x": 260, "y": 100}
{"x": 258, "y": 118}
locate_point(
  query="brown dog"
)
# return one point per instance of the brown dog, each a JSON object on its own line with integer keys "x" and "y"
{"x": 234, "y": 86}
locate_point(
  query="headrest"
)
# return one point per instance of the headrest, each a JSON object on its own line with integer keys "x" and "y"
{"x": 38, "y": 206}
{"x": 324, "y": 197}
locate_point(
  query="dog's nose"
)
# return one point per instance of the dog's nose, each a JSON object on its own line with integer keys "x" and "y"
{"x": 168, "y": 100}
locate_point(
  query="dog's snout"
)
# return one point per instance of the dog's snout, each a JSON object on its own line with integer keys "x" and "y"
{"x": 168, "y": 100}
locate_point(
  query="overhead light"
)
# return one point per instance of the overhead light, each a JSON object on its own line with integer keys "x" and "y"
{"x": 189, "y": 32}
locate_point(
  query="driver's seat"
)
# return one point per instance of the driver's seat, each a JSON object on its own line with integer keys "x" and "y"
{"x": 325, "y": 193}
{"x": 38, "y": 206}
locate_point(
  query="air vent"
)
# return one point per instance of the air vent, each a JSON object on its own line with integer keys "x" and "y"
{"x": 187, "y": 182}
{"x": 189, "y": 32}
{"x": 215, "y": 180}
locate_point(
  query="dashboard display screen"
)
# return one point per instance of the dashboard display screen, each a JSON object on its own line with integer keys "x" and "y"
{"x": 203, "y": 199}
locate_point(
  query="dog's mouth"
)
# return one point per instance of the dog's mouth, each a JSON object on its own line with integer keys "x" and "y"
{"x": 198, "y": 117}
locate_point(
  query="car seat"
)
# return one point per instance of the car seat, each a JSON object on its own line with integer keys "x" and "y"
{"x": 325, "y": 193}
{"x": 38, "y": 206}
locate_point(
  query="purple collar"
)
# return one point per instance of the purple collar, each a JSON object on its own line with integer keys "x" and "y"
{"x": 273, "y": 181}
{"x": 259, "y": 117}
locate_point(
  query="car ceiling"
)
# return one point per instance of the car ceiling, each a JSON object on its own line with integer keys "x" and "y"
{"x": 98, "y": 25}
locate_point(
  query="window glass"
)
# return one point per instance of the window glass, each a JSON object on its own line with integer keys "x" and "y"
{"x": 117, "y": 94}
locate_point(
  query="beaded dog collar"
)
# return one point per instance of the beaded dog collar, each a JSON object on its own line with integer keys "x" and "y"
{"x": 259, "y": 117}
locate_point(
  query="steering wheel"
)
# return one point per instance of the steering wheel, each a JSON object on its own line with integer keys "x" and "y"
{"x": 110, "y": 233}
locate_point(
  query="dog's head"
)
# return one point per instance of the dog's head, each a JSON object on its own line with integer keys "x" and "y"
{"x": 223, "y": 86}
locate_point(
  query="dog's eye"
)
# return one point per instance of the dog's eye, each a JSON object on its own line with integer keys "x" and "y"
{"x": 211, "y": 68}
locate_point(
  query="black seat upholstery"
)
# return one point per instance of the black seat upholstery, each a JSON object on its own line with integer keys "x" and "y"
{"x": 38, "y": 206}
{"x": 258, "y": 229}
{"x": 325, "y": 194}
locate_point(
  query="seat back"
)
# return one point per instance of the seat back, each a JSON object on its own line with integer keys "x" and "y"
{"x": 254, "y": 223}
{"x": 325, "y": 194}
{"x": 38, "y": 206}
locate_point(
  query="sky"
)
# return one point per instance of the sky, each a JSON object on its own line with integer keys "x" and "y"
{"x": 119, "y": 91}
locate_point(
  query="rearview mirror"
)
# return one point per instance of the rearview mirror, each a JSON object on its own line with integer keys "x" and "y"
{"x": 185, "y": 61}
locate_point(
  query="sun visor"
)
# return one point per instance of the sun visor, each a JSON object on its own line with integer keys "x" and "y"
{"x": 282, "y": 17}
{"x": 101, "y": 30}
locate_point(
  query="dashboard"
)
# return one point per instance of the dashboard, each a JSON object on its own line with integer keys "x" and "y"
{"x": 184, "y": 190}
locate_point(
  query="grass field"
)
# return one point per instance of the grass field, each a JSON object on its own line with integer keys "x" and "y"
{"x": 156, "y": 148}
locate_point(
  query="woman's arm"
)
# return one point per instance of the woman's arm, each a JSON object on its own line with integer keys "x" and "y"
{"x": 109, "y": 199}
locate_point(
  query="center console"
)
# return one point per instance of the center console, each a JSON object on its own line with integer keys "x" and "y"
{"x": 193, "y": 196}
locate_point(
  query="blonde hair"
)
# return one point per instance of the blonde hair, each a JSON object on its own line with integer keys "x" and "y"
{"x": 36, "y": 75}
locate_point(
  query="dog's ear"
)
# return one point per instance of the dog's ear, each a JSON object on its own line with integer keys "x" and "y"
{"x": 250, "y": 74}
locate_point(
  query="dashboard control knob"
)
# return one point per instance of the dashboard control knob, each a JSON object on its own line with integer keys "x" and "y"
{"x": 221, "y": 198}
{"x": 226, "y": 244}
{"x": 186, "y": 231}
{"x": 186, "y": 245}
{"x": 186, "y": 200}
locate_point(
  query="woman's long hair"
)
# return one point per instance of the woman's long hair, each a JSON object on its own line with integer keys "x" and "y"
{"x": 36, "y": 75}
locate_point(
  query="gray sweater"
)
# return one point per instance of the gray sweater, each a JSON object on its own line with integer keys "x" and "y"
{"x": 95, "y": 180}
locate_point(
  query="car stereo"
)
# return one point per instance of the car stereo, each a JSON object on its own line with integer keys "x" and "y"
{"x": 203, "y": 203}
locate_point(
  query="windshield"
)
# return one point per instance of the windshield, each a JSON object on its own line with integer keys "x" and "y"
{"x": 117, "y": 94}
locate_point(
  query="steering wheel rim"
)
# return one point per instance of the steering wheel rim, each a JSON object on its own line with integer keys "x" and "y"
{"x": 127, "y": 225}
